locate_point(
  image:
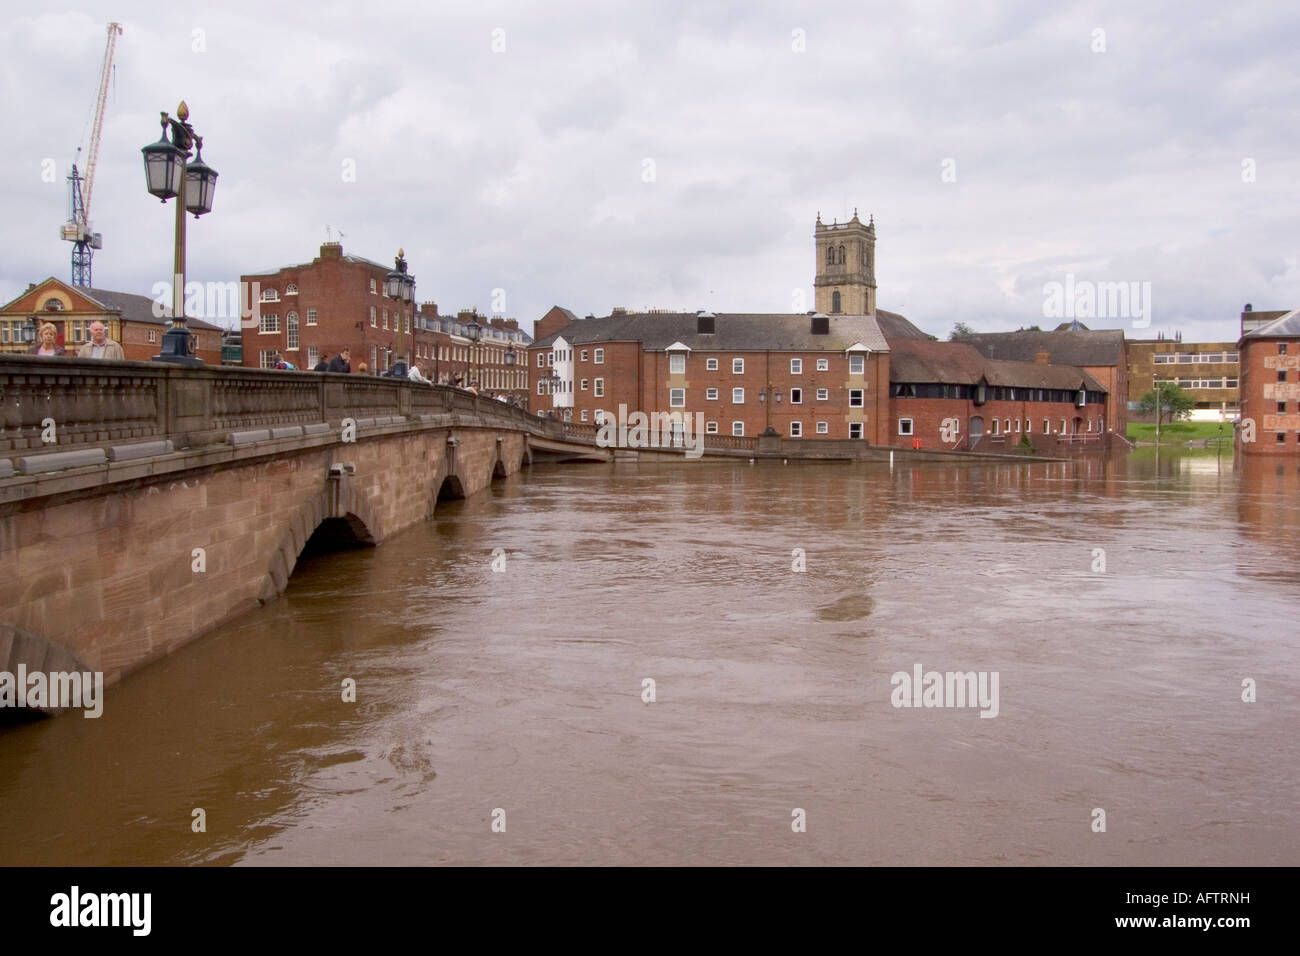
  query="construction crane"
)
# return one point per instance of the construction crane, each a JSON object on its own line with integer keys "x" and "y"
{"x": 77, "y": 229}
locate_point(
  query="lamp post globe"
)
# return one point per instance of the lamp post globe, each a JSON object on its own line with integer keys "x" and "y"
{"x": 163, "y": 168}
{"x": 200, "y": 184}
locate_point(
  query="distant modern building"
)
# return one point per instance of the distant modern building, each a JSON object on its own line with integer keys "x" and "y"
{"x": 1270, "y": 388}
{"x": 128, "y": 319}
{"x": 1208, "y": 371}
{"x": 1252, "y": 320}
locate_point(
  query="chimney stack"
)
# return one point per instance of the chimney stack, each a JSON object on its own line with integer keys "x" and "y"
{"x": 1043, "y": 357}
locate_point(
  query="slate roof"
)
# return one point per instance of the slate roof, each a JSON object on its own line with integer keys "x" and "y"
{"x": 1095, "y": 348}
{"x": 896, "y": 327}
{"x": 734, "y": 332}
{"x": 958, "y": 363}
{"x": 1285, "y": 326}
{"x": 138, "y": 308}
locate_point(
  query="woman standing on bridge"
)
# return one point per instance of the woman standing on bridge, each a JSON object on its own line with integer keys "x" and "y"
{"x": 48, "y": 344}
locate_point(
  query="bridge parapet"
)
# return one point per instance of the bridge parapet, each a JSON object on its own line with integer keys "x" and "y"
{"x": 92, "y": 401}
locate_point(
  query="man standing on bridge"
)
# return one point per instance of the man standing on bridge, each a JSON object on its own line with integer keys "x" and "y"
{"x": 100, "y": 345}
{"x": 342, "y": 361}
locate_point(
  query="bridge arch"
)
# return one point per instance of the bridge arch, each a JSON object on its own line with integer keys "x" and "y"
{"x": 35, "y": 653}
{"x": 346, "y": 519}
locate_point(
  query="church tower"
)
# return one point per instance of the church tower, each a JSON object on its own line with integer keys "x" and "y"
{"x": 846, "y": 267}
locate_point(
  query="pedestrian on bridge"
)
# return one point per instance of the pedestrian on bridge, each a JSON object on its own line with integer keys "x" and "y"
{"x": 100, "y": 345}
{"x": 341, "y": 362}
{"x": 48, "y": 344}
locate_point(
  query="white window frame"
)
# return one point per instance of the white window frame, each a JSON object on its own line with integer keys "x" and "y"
{"x": 153, "y": 337}
{"x": 796, "y": 366}
{"x": 540, "y": 390}
{"x": 374, "y": 317}
{"x": 741, "y": 399}
{"x": 291, "y": 332}
{"x": 906, "y": 427}
{"x": 799, "y": 400}
{"x": 710, "y": 394}
{"x": 738, "y": 429}
{"x": 855, "y": 427}
{"x": 372, "y": 287}
{"x": 677, "y": 363}
{"x": 598, "y": 388}
{"x": 861, "y": 395}
{"x": 541, "y": 359}
{"x": 582, "y": 385}
{"x": 823, "y": 428}
{"x": 269, "y": 323}
{"x": 710, "y": 428}
{"x": 270, "y": 295}
{"x": 676, "y": 398}
{"x": 266, "y": 358}
{"x": 737, "y": 366}
{"x": 584, "y": 415}
{"x": 598, "y": 357}
{"x": 711, "y": 365}
{"x": 857, "y": 364}
{"x": 796, "y": 429}
{"x": 582, "y": 355}
{"x": 823, "y": 365}
{"x": 311, "y": 316}
{"x": 823, "y": 394}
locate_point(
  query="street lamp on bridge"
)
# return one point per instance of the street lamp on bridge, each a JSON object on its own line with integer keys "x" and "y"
{"x": 170, "y": 175}
{"x": 474, "y": 332}
{"x": 399, "y": 286}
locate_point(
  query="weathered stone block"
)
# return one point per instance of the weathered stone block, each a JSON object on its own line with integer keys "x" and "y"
{"x": 59, "y": 460}
{"x": 146, "y": 449}
{"x": 239, "y": 439}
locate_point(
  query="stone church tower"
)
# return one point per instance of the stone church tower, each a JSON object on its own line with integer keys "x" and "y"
{"x": 846, "y": 267}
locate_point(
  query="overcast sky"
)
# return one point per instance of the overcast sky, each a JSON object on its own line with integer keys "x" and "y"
{"x": 675, "y": 155}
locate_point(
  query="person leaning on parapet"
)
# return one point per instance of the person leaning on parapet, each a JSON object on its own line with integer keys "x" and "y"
{"x": 100, "y": 345}
{"x": 323, "y": 365}
{"x": 341, "y": 362}
{"x": 415, "y": 375}
{"x": 48, "y": 344}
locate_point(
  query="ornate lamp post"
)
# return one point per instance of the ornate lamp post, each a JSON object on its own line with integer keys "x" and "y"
{"x": 30, "y": 330}
{"x": 776, "y": 398}
{"x": 510, "y": 357}
{"x": 169, "y": 175}
{"x": 474, "y": 332}
{"x": 400, "y": 287}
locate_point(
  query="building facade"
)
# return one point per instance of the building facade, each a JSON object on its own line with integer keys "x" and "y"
{"x": 315, "y": 309}
{"x": 128, "y": 319}
{"x": 1208, "y": 371}
{"x": 1270, "y": 388}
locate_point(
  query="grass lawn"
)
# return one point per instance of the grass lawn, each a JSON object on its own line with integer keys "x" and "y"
{"x": 1178, "y": 433}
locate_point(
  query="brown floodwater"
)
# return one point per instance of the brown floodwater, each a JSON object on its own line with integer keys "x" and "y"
{"x": 521, "y": 690}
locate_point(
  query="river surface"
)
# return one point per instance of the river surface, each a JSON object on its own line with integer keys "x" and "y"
{"x": 515, "y": 697}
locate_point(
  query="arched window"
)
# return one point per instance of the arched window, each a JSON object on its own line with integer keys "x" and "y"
{"x": 291, "y": 290}
{"x": 830, "y": 255}
{"x": 53, "y": 305}
{"x": 841, "y": 255}
{"x": 835, "y": 301}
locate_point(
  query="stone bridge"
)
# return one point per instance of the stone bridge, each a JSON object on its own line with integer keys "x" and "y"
{"x": 142, "y": 504}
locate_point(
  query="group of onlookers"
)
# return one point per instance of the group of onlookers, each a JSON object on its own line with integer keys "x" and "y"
{"x": 100, "y": 345}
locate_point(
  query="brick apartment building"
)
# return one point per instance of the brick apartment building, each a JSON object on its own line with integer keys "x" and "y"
{"x": 1270, "y": 387}
{"x": 128, "y": 320}
{"x": 848, "y": 370}
{"x": 1103, "y": 354}
{"x": 337, "y": 301}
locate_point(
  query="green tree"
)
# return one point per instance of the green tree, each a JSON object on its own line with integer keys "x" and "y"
{"x": 958, "y": 330}
{"x": 1173, "y": 402}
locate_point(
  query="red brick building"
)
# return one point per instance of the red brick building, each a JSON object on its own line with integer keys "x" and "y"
{"x": 1103, "y": 354}
{"x": 128, "y": 319}
{"x": 948, "y": 396}
{"x": 337, "y": 301}
{"x": 1270, "y": 388}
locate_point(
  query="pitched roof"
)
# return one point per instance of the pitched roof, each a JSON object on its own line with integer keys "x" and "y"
{"x": 734, "y": 332}
{"x": 958, "y": 363}
{"x": 1095, "y": 348}
{"x": 896, "y": 326}
{"x": 1285, "y": 326}
{"x": 139, "y": 308}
